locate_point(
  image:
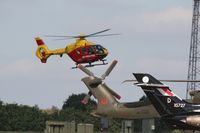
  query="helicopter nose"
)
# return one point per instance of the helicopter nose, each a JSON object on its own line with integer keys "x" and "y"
{"x": 105, "y": 51}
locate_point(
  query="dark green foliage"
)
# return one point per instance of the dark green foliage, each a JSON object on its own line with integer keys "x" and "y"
{"x": 14, "y": 117}
{"x": 74, "y": 101}
{"x": 115, "y": 126}
{"x": 161, "y": 125}
{"x": 74, "y": 110}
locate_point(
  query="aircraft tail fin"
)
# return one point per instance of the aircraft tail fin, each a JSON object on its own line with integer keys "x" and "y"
{"x": 106, "y": 97}
{"x": 163, "y": 99}
{"x": 42, "y": 51}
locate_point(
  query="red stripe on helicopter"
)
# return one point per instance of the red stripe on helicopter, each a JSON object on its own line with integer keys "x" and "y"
{"x": 39, "y": 42}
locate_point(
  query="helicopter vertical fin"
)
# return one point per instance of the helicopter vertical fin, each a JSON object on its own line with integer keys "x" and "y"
{"x": 39, "y": 41}
{"x": 42, "y": 51}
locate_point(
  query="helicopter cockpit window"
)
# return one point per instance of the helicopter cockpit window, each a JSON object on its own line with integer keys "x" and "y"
{"x": 90, "y": 50}
{"x": 84, "y": 51}
{"x": 99, "y": 49}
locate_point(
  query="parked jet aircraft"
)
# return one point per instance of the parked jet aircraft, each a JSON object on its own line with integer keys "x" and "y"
{"x": 172, "y": 109}
{"x": 108, "y": 105}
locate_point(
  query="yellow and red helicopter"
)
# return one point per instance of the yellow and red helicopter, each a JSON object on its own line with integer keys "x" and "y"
{"x": 82, "y": 51}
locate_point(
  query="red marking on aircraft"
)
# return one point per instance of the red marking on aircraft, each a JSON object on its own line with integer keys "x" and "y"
{"x": 104, "y": 101}
{"x": 167, "y": 91}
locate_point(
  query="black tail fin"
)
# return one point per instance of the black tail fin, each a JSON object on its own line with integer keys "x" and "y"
{"x": 162, "y": 98}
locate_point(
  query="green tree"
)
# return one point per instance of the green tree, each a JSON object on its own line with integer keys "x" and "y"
{"x": 74, "y": 110}
{"x": 74, "y": 101}
{"x": 14, "y": 117}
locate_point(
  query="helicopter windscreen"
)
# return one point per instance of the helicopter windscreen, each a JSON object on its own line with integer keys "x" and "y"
{"x": 99, "y": 49}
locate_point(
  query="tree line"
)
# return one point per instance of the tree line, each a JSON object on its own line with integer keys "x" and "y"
{"x": 15, "y": 117}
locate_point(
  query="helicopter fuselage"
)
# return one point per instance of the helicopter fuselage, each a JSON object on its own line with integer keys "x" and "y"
{"x": 82, "y": 51}
{"x": 88, "y": 54}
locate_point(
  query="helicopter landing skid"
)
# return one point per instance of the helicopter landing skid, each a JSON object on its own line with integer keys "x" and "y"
{"x": 91, "y": 65}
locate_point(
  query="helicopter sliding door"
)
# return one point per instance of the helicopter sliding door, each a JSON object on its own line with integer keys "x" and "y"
{"x": 88, "y": 54}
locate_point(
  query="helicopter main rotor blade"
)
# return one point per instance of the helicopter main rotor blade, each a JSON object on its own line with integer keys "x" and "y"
{"x": 71, "y": 37}
{"x": 65, "y": 37}
{"x": 175, "y": 81}
{"x": 104, "y": 35}
{"x": 180, "y": 80}
{"x": 97, "y": 33}
{"x": 79, "y": 35}
{"x": 110, "y": 68}
{"x": 61, "y": 39}
{"x": 59, "y": 36}
{"x": 114, "y": 93}
{"x": 82, "y": 36}
{"x": 85, "y": 70}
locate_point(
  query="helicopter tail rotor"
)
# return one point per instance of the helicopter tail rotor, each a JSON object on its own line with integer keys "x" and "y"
{"x": 42, "y": 51}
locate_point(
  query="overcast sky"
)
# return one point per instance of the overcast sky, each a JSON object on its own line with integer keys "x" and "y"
{"x": 155, "y": 38}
